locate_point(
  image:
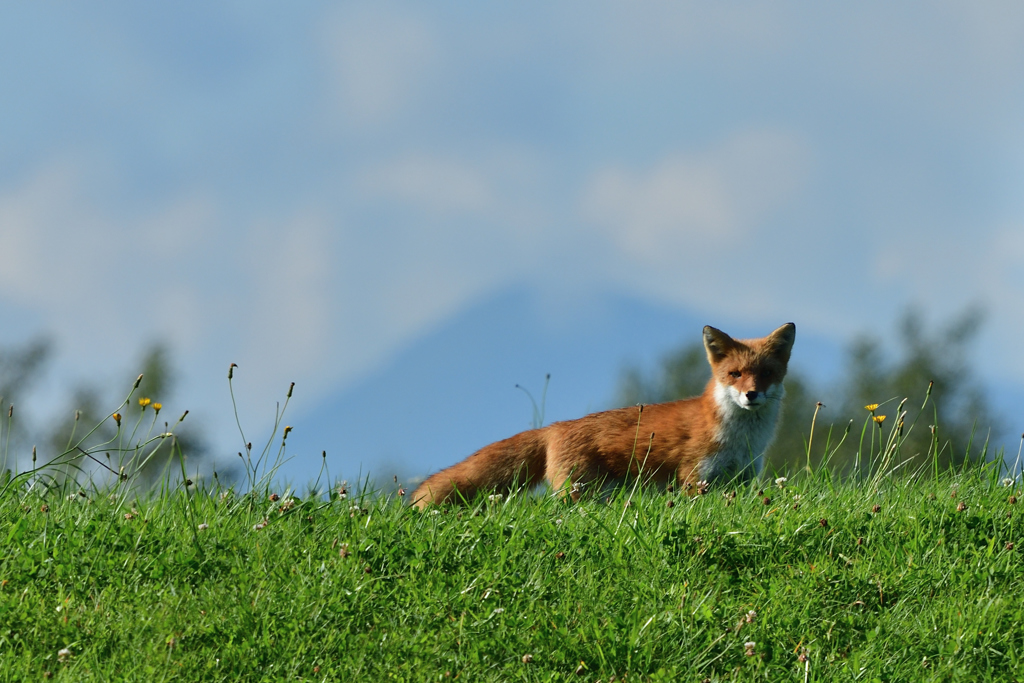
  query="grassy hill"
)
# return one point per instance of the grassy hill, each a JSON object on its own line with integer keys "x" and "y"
{"x": 894, "y": 580}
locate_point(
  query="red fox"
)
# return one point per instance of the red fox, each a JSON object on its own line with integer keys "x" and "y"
{"x": 720, "y": 434}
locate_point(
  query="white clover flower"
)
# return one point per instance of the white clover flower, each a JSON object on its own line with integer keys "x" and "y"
{"x": 780, "y": 482}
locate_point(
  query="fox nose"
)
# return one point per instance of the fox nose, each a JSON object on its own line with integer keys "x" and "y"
{"x": 752, "y": 396}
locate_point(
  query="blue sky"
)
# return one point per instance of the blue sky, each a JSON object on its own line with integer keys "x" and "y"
{"x": 307, "y": 190}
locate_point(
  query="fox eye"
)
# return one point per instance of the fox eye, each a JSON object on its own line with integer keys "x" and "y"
{"x": 735, "y": 373}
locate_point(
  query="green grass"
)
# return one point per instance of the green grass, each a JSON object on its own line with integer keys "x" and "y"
{"x": 661, "y": 589}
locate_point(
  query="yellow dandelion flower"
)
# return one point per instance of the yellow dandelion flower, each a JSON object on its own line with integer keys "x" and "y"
{"x": 144, "y": 402}
{"x": 878, "y": 418}
{"x": 157, "y": 407}
{"x": 286, "y": 430}
{"x": 871, "y": 407}
{"x": 117, "y": 418}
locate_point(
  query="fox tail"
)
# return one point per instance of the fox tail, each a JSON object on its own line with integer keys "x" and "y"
{"x": 518, "y": 461}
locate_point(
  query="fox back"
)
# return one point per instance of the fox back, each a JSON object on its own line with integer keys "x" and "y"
{"x": 720, "y": 434}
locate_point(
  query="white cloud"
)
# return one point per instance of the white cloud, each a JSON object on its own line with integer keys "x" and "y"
{"x": 380, "y": 61}
{"x": 688, "y": 205}
{"x": 436, "y": 185}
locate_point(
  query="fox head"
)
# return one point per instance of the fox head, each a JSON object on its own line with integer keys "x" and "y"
{"x": 748, "y": 373}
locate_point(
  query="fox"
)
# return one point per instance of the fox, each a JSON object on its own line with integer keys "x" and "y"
{"x": 720, "y": 435}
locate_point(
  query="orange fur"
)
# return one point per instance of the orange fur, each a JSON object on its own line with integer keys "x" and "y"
{"x": 719, "y": 434}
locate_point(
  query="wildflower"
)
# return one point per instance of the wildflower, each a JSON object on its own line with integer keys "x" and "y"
{"x": 157, "y": 407}
{"x": 274, "y": 497}
{"x": 143, "y": 402}
{"x": 961, "y": 506}
{"x": 804, "y": 655}
{"x": 670, "y": 503}
{"x": 494, "y": 497}
{"x": 261, "y": 525}
{"x": 527, "y": 658}
{"x": 401, "y": 492}
{"x": 876, "y": 508}
{"x": 497, "y": 610}
{"x": 878, "y": 418}
{"x": 44, "y": 508}
{"x": 702, "y": 487}
{"x": 748, "y": 648}
{"x": 204, "y": 526}
{"x": 871, "y": 407}
{"x": 286, "y": 505}
{"x": 1012, "y": 500}
{"x": 435, "y": 512}
{"x": 781, "y": 482}
{"x": 1009, "y": 545}
{"x": 343, "y": 550}
{"x": 751, "y": 616}
{"x": 823, "y": 522}
{"x": 286, "y": 430}
{"x": 64, "y": 654}
{"x": 558, "y": 522}
{"x": 1007, "y": 482}
{"x": 117, "y": 418}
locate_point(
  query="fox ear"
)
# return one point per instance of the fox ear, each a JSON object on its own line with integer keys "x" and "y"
{"x": 781, "y": 341}
{"x": 717, "y": 344}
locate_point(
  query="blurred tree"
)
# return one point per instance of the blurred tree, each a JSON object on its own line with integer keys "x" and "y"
{"x": 957, "y": 408}
{"x": 19, "y": 366}
{"x": 138, "y": 422}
